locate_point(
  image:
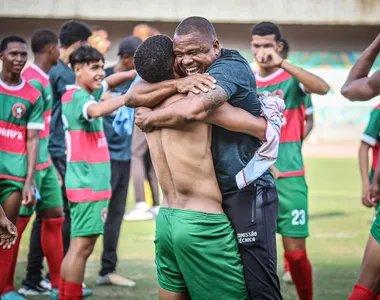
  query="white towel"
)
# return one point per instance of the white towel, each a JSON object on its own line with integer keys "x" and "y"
{"x": 271, "y": 109}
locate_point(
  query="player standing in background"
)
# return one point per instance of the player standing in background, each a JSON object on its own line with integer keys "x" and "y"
{"x": 290, "y": 83}
{"x": 141, "y": 163}
{"x": 309, "y": 123}
{"x": 45, "y": 47}
{"x": 120, "y": 151}
{"x": 99, "y": 39}
{"x": 369, "y": 140}
{"x": 361, "y": 87}
{"x": 71, "y": 36}
{"x": 20, "y": 123}
{"x": 88, "y": 176}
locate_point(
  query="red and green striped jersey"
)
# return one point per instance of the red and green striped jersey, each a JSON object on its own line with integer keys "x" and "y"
{"x": 371, "y": 135}
{"x": 284, "y": 85}
{"x": 20, "y": 109}
{"x": 40, "y": 80}
{"x": 88, "y": 173}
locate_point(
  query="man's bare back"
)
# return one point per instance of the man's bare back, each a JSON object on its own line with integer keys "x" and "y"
{"x": 183, "y": 162}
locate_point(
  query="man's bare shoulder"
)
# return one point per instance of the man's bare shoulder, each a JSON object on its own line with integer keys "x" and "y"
{"x": 169, "y": 101}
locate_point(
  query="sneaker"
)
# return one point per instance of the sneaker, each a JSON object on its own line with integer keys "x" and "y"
{"x": 45, "y": 283}
{"x": 54, "y": 294}
{"x": 154, "y": 209}
{"x": 287, "y": 278}
{"x": 115, "y": 279}
{"x": 86, "y": 291}
{"x": 12, "y": 296}
{"x": 29, "y": 289}
{"x": 137, "y": 215}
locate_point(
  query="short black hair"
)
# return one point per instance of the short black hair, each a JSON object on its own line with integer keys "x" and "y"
{"x": 11, "y": 39}
{"x": 41, "y": 38}
{"x": 196, "y": 24}
{"x": 267, "y": 28}
{"x": 85, "y": 54}
{"x": 285, "y": 48}
{"x": 72, "y": 32}
{"x": 154, "y": 59}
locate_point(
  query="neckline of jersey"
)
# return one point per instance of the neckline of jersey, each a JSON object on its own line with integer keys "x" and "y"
{"x": 13, "y": 87}
{"x": 39, "y": 70}
{"x": 269, "y": 77}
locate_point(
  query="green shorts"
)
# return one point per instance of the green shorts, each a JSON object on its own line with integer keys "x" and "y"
{"x": 50, "y": 191}
{"x": 7, "y": 187}
{"x": 198, "y": 252}
{"x": 88, "y": 218}
{"x": 375, "y": 228}
{"x": 293, "y": 215}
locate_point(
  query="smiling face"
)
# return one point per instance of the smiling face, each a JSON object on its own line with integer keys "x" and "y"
{"x": 14, "y": 57}
{"x": 194, "y": 53}
{"x": 90, "y": 75}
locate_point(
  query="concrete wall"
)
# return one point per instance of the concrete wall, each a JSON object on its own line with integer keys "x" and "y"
{"x": 301, "y": 38}
{"x": 223, "y": 11}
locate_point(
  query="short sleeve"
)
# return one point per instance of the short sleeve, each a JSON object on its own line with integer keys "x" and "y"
{"x": 227, "y": 74}
{"x": 36, "y": 119}
{"x": 82, "y": 101}
{"x": 308, "y": 105}
{"x": 371, "y": 133}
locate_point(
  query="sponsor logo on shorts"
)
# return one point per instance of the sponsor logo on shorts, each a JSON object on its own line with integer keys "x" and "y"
{"x": 18, "y": 110}
{"x": 247, "y": 237}
{"x": 104, "y": 214}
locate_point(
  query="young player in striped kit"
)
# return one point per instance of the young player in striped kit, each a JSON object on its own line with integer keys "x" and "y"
{"x": 20, "y": 123}
{"x": 46, "y": 54}
{"x": 88, "y": 175}
{"x": 292, "y": 84}
{"x": 359, "y": 86}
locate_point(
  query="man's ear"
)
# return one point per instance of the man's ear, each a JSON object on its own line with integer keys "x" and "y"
{"x": 280, "y": 46}
{"x": 216, "y": 47}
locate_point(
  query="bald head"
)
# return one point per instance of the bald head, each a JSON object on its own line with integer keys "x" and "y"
{"x": 199, "y": 25}
{"x": 143, "y": 31}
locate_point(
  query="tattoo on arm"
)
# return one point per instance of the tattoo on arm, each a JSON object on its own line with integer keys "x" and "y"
{"x": 213, "y": 99}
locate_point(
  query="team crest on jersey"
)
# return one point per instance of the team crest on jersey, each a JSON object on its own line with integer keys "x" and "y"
{"x": 18, "y": 110}
{"x": 104, "y": 214}
{"x": 278, "y": 93}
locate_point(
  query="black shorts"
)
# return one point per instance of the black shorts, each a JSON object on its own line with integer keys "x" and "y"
{"x": 252, "y": 212}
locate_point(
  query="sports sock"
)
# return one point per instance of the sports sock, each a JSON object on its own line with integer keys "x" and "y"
{"x": 73, "y": 291}
{"x": 300, "y": 270}
{"x": 52, "y": 246}
{"x": 361, "y": 292}
{"x": 61, "y": 294}
{"x": 21, "y": 224}
{"x": 5, "y": 259}
{"x": 286, "y": 264}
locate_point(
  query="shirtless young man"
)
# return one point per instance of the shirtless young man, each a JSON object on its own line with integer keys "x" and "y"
{"x": 196, "y": 246}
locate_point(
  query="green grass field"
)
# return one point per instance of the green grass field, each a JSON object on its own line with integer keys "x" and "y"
{"x": 339, "y": 227}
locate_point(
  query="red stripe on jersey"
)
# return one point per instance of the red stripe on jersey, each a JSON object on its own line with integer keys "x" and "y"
{"x": 47, "y": 118}
{"x": 281, "y": 77}
{"x": 27, "y": 92}
{"x": 87, "y": 195}
{"x": 91, "y": 147}
{"x": 12, "y": 138}
{"x": 44, "y": 165}
{"x": 68, "y": 95}
{"x": 375, "y": 156}
{"x": 4, "y": 176}
{"x": 31, "y": 73}
{"x": 293, "y": 128}
{"x": 292, "y": 173}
